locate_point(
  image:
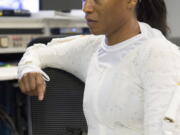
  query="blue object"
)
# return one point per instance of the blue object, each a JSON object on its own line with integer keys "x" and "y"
{"x": 4, "y": 129}
{"x": 2, "y": 64}
{"x": 31, "y": 5}
{"x": 7, "y": 105}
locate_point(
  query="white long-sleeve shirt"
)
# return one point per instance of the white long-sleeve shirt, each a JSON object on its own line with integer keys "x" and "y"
{"x": 130, "y": 87}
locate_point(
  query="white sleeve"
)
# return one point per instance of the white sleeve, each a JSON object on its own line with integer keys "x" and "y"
{"x": 71, "y": 54}
{"x": 161, "y": 82}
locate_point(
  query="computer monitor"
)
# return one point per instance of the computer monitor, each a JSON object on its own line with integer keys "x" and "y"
{"x": 60, "y": 5}
{"x": 31, "y": 5}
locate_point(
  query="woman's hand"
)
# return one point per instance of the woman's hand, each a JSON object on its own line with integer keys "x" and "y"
{"x": 33, "y": 84}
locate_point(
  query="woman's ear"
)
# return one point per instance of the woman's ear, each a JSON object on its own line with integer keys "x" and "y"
{"x": 132, "y": 4}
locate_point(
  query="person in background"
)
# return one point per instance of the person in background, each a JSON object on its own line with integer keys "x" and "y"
{"x": 130, "y": 70}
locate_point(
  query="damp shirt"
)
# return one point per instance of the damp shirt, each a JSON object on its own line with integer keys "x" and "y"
{"x": 130, "y": 87}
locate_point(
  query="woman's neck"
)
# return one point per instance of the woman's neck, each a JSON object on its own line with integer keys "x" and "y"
{"x": 125, "y": 32}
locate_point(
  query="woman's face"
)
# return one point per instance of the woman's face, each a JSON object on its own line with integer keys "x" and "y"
{"x": 106, "y": 16}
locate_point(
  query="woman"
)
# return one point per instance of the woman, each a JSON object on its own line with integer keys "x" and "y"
{"x": 131, "y": 74}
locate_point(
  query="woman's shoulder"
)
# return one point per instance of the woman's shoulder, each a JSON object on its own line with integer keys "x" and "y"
{"x": 157, "y": 51}
{"x": 154, "y": 40}
{"x": 159, "y": 47}
{"x": 160, "y": 44}
{"x": 81, "y": 38}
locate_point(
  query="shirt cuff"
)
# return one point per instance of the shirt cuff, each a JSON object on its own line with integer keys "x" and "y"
{"x": 29, "y": 68}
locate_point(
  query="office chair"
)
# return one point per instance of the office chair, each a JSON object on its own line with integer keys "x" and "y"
{"x": 60, "y": 113}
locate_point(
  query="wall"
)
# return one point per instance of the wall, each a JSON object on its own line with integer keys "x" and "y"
{"x": 173, "y": 7}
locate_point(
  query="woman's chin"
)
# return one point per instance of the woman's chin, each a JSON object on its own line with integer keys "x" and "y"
{"x": 96, "y": 31}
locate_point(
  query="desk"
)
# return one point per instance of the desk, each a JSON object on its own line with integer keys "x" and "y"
{"x": 8, "y": 73}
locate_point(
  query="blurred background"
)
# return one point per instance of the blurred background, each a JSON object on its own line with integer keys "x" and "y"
{"x": 24, "y": 22}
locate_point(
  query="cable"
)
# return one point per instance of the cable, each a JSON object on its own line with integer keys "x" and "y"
{"x": 8, "y": 120}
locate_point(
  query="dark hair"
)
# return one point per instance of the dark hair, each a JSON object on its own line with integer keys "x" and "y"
{"x": 154, "y": 13}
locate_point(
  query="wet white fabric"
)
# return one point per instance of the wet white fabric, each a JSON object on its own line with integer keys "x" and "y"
{"x": 130, "y": 87}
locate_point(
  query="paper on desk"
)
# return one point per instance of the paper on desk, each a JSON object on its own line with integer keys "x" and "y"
{"x": 8, "y": 73}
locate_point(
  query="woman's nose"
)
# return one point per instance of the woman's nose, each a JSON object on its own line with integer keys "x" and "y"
{"x": 87, "y": 6}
